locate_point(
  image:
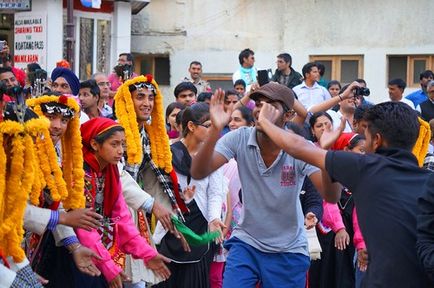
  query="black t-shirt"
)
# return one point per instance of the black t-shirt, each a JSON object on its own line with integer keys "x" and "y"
{"x": 385, "y": 186}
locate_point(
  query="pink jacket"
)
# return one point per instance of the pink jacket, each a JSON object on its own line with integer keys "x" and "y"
{"x": 332, "y": 217}
{"x": 358, "y": 241}
{"x": 128, "y": 240}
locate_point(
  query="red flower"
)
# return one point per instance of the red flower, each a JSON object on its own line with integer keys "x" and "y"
{"x": 149, "y": 78}
{"x": 63, "y": 99}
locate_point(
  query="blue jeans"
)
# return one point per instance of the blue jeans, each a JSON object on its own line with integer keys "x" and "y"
{"x": 246, "y": 266}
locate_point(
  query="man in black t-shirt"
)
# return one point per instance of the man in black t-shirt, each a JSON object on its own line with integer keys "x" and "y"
{"x": 386, "y": 183}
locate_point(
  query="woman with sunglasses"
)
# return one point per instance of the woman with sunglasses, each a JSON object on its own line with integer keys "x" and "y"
{"x": 204, "y": 200}
{"x": 103, "y": 141}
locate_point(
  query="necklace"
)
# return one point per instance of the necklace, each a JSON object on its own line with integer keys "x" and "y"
{"x": 348, "y": 200}
{"x": 99, "y": 196}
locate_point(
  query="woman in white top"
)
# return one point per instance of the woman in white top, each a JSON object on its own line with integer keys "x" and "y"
{"x": 204, "y": 199}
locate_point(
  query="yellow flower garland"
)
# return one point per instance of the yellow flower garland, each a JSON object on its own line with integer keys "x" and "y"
{"x": 420, "y": 148}
{"x": 124, "y": 107}
{"x": 14, "y": 201}
{"x": 18, "y": 175}
{"x": 70, "y": 182}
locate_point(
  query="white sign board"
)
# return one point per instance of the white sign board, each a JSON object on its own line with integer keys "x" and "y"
{"x": 30, "y": 43}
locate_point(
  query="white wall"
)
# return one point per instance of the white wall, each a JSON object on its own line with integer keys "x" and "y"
{"x": 53, "y": 9}
{"x": 214, "y": 32}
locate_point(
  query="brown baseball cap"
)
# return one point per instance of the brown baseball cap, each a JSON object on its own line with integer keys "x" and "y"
{"x": 275, "y": 92}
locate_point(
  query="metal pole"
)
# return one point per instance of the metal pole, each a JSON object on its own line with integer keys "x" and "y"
{"x": 70, "y": 33}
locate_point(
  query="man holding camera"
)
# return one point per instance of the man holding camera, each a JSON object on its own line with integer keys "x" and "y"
{"x": 347, "y": 107}
{"x": 309, "y": 92}
{"x": 122, "y": 71}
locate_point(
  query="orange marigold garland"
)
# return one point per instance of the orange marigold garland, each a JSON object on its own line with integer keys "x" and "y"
{"x": 15, "y": 201}
{"x": 70, "y": 182}
{"x": 18, "y": 175}
{"x": 420, "y": 148}
{"x": 75, "y": 174}
{"x": 160, "y": 147}
{"x": 2, "y": 177}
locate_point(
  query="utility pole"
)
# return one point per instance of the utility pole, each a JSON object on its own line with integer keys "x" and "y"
{"x": 70, "y": 33}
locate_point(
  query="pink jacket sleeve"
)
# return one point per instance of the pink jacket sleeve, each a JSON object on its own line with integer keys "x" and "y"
{"x": 332, "y": 217}
{"x": 129, "y": 241}
{"x": 358, "y": 241}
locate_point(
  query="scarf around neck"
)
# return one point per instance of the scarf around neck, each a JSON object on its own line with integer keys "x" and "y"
{"x": 112, "y": 188}
{"x": 248, "y": 75}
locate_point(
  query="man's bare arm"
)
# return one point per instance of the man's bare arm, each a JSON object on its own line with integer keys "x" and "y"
{"x": 207, "y": 160}
{"x": 299, "y": 148}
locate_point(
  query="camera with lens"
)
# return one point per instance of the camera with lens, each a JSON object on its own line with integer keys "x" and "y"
{"x": 125, "y": 71}
{"x": 361, "y": 91}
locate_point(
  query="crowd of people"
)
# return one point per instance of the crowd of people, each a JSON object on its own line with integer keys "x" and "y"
{"x": 292, "y": 182}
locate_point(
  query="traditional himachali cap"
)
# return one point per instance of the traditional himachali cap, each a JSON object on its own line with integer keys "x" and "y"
{"x": 275, "y": 92}
{"x": 69, "y": 76}
{"x": 72, "y": 157}
{"x": 124, "y": 107}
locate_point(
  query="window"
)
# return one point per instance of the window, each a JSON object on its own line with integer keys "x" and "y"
{"x": 344, "y": 68}
{"x": 157, "y": 65}
{"x": 92, "y": 43}
{"x": 219, "y": 80}
{"x": 408, "y": 67}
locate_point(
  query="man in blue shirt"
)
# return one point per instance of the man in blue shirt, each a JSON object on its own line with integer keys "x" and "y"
{"x": 420, "y": 96}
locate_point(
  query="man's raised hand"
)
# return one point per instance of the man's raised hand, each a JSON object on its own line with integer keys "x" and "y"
{"x": 220, "y": 117}
{"x": 268, "y": 113}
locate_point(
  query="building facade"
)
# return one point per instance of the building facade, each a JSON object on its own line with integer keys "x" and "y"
{"x": 373, "y": 40}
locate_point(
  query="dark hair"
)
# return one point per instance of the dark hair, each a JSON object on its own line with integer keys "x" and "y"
{"x": 396, "y": 122}
{"x": 245, "y": 54}
{"x": 32, "y": 67}
{"x": 178, "y": 119}
{"x": 195, "y": 63}
{"x": 321, "y": 68}
{"x": 246, "y": 113}
{"x": 240, "y": 82}
{"x": 128, "y": 55}
{"x": 183, "y": 86}
{"x": 426, "y": 74}
{"x": 398, "y": 82}
{"x": 296, "y": 128}
{"x": 196, "y": 113}
{"x": 344, "y": 88}
{"x": 231, "y": 92}
{"x": 361, "y": 81}
{"x": 315, "y": 117}
{"x": 6, "y": 69}
{"x": 172, "y": 107}
{"x": 286, "y": 57}
{"x": 91, "y": 84}
{"x": 360, "y": 112}
{"x": 355, "y": 141}
{"x": 332, "y": 83}
{"x": 203, "y": 96}
{"x": 308, "y": 67}
{"x": 100, "y": 138}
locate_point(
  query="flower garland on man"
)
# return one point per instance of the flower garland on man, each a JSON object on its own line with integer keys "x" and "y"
{"x": 139, "y": 109}
{"x": 64, "y": 179}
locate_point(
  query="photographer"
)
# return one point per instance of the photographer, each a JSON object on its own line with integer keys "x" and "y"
{"x": 347, "y": 107}
{"x": 122, "y": 71}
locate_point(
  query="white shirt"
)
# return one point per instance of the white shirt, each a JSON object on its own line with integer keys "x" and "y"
{"x": 336, "y": 116}
{"x": 310, "y": 96}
